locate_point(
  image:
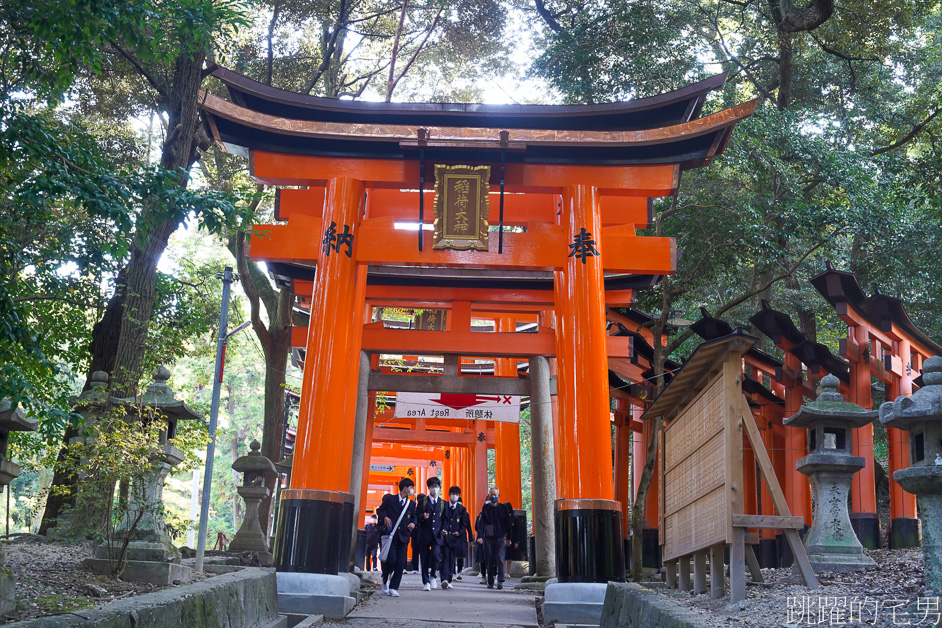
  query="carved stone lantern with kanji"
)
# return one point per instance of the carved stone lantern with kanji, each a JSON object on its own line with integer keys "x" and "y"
{"x": 830, "y": 466}
{"x": 921, "y": 416}
{"x": 250, "y": 537}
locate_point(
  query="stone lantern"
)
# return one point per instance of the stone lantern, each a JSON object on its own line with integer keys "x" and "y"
{"x": 152, "y": 557}
{"x": 11, "y": 420}
{"x": 93, "y": 498}
{"x": 921, "y": 416}
{"x": 250, "y": 537}
{"x": 830, "y": 466}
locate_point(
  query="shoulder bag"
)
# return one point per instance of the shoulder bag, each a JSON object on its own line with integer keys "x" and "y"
{"x": 386, "y": 542}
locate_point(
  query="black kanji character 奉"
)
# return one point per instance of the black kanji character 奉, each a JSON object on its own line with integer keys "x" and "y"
{"x": 583, "y": 245}
{"x": 432, "y": 463}
{"x": 481, "y": 437}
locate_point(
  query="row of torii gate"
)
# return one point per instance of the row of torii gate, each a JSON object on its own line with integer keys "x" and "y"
{"x": 573, "y": 184}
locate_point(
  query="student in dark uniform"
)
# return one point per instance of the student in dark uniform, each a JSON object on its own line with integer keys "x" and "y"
{"x": 429, "y": 510}
{"x": 373, "y": 532}
{"x": 389, "y": 512}
{"x": 494, "y": 533}
{"x": 456, "y": 528}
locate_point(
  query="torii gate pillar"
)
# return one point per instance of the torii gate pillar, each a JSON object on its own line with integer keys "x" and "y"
{"x": 310, "y": 529}
{"x": 589, "y": 535}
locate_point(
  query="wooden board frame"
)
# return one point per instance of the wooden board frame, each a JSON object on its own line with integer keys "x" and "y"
{"x": 705, "y": 423}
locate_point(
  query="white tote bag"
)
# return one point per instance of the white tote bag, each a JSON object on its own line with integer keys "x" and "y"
{"x": 386, "y": 541}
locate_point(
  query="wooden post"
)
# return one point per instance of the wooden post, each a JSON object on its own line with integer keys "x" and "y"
{"x": 584, "y": 426}
{"x": 479, "y": 462}
{"x": 737, "y": 566}
{"x": 507, "y": 435}
{"x": 753, "y": 563}
{"x": 671, "y": 574}
{"x": 684, "y": 572}
{"x": 717, "y": 571}
{"x": 699, "y": 572}
{"x": 319, "y": 463}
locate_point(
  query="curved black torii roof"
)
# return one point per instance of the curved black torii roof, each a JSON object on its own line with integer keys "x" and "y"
{"x": 709, "y": 328}
{"x": 778, "y": 326}
{"x": 841, "y": 289}
{"x": 667, "y": 109}
{"x": 662, "y": 129}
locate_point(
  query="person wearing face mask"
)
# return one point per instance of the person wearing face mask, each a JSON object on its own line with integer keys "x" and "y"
{"x": 429, "y": 510}
{"x": 494, "y": 533}
{"x": 456, "y": 526}
{"x": 373, "y": 532}
{"x": 397, "y": 508}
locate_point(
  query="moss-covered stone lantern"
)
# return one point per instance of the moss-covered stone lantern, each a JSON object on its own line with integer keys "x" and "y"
{"x": 830, "y": 466}
{"x": 250, "y": 537}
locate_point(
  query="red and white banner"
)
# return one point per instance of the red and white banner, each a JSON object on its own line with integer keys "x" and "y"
{"x": 504, "y": 408}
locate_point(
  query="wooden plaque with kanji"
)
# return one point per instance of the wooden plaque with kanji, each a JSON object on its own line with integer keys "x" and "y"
{"x": 461, "y": 207}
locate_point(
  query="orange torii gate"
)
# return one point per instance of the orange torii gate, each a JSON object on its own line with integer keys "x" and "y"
{"x": 882, "y": 343}
{"x": 365, "y": 162}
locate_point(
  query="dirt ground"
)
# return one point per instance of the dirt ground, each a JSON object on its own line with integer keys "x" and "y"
{"x": 890, "y": 594}
{"x": 50, "y": 580}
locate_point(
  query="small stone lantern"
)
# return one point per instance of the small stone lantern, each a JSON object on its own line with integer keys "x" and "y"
{"x": 830, "y": 466}
{"x": 921, "y": 416}
{"x": 250, "y": 537}
{"x": 151, "y": 555}
{"x": 11, "y": 420}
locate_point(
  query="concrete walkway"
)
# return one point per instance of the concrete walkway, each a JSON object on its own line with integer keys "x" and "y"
{"x": 469, "y": 605}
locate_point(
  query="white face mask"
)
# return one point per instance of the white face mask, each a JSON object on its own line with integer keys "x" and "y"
{"x": 410, "y": 491}
{"x": 454, "y": 499}
{"x": 433, "y": 491}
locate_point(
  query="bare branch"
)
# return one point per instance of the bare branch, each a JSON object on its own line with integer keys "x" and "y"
{"x": 415, "y": 55}
{"x": 53, "y": 297}
{"x": 909, "y": 137}
{"x": 548, "y": 17}
{"x": 158, "y": 86}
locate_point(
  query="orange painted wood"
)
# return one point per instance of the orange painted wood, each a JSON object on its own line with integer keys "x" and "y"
{"x": 308, "y": 170}
{"x": 320, "y": 462}
{"x": 519, "y": 209}
{"x": 465, "y": 343}
{"x": 507, "y": 435}
{"x": 298, "y": 242}
{"x": 542, "y": 247}
{"x": 388, "y": 435}
{"x": 584, "y": 427}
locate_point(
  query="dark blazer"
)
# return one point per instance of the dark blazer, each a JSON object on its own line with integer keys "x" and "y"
{"x": 391, "y": 508}
{"x": 456, "y": 520}
{"x": 430, "y": 530}
{"x": 496, "y": 521}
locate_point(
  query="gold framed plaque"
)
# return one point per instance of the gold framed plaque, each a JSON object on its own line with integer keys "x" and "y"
{"x": 461, "y": 207}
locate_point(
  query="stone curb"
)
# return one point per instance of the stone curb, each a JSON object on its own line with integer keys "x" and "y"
{"x": 244, "y": 599}
{"x": 633, "y": 606}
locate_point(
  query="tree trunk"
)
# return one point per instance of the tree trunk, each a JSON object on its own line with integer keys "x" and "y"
{"x": 119, "y": 339}
{"x": 276, "y": 361}
{"x": 786, "y": 69}
{"x": 155, "y": 225}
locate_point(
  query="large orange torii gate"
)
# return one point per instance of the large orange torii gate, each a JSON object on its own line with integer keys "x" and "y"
{"x": 572, "y": 161}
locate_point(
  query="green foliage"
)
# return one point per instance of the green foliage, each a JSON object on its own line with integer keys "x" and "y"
{"x": 50, "y": 42}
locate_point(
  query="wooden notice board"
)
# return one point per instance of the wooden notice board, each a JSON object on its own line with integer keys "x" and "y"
{"x": 700, "y": 469}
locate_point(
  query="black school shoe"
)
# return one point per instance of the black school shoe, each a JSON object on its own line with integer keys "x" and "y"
{"x": 500, "y": 585}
